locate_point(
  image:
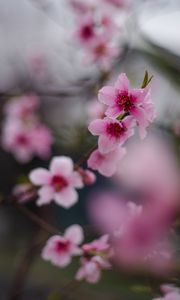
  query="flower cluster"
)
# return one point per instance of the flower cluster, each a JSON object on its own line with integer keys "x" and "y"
{"x": 22, "y": 133}
{"x": 96, "y": 33}
{"x": 125, "y": 109}
{"x": 59, "y": 250}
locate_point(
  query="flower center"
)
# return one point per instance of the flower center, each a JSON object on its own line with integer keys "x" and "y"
{"x": 116, "y": 129}
{"x": 59, "y": 182}
{"x": 100, "y": 50}
{"x": 22, "y": 140}
{"x": 87, "y": 32}
{"x": 62, "y": 246}
{"x": 124, "y": 101}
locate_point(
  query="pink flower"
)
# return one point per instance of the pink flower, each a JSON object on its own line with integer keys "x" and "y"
{"x": 112, "y": 133}
{"x": 102, "y": 52}
{"x": 58, "y": 183}
{"x": 116, "y": 3}
{"x": 17, "y": 139}
{"x": 106, "y": 164}
{"x": 86, "y": 31}
{"x": 94, "y": 260}
{"x": 26, "y": 141}
{"x": 171, "y": 293}
{"x": 136, "y": 240}
{"x": 90, "y": 269}
{"x": 136, "y": 102}
{"x": 60, "y": 249}
{"x": 95, "y": 110}
{"x": 21, "y": 107}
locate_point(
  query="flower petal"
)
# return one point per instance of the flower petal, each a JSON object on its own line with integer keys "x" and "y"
{"x": 40, "y": 176}
{"x": 107, "y": 95}
{"x": 66, "y": 198}
{"x": 97, "y": 127}
{"x": 61, "y": 165}
{"x": 46, "y": 195}
{"x": 75, "y": 234}
{"x": 122, "y": 83}
{"x": 106, "y": 144}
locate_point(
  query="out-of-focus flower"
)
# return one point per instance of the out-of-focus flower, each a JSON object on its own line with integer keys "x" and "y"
{"x": 21, "y": 107}
{"x": 22, "y": 133}
{"x": 106, "y": 164}
{"x": 58, "y": 183}
{"x": 102, "y": 52}
{"x": 116, "y": 3}
{"x": 137, "y": 241}
{"x": 136, "y": 102}
{"x": 95, "y": 259}
{"x": 151, "y": 168}
{"x": 60, "y": 249}
{"x": 112, "y": 133}
{"x": 170, "y": 293}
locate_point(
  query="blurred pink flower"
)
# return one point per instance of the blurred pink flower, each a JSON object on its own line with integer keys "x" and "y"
{"x": 137, "y": 241}
{"x": 106, "y": 164}
{"x": 22, "y": 133}
{"x": 116, "y": 3}
{"x": 26, "y": 141}
{"x": 60, "y": 249}
{"x": 136, "y": 102}
{"x": 150, "y": 167}
{"x": 24, "y": 192}
{"x": 17, "y": 139}
{"x": 21, "y": 107}
{"x": 58, "y": 183}
{"x": 102, "y": 53}
{"x": 112, "y": 133}
{"x": 95, "y": 258}
{"x": 170, "y": 293}
{"x": 86, "y": 30}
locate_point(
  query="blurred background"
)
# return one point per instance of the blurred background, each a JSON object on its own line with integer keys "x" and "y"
{"x": 39, "y": 55}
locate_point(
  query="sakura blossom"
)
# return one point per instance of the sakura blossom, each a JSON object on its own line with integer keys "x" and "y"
{"x": 94, "y": 260}
{"x": 57, "y": 184}
{"x": 88, "y": 176}
{"x": 106, "y": 164}
{"x": 136, "y": 102}
{"x": 112, "y": 133}
{"x": 59, "y": 249}
{"x": 23, "y": 134}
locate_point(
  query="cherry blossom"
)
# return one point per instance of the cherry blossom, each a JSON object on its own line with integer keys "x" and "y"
{"x": 95, "y": 259}
{"x": 58, "y": 183}
{"x": 112, "y": 133}
{"x": 106, "y": 164}
{"x": 136, "y": 102}
{"x": 59, "y": 250}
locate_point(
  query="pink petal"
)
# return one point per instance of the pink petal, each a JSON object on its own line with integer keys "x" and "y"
{"x": 61, "y": 165}
{"x": 139, "y": 95}
{"x": 113, "y": 111}
{"x": 62, "y": 260}
{"x": 97, "y": 127}
{"x": 122, "y": 83}
{"x": 106, "y": 144}
{"x": 46, "y": 195}
{"x": 76, "y": 180}
{"x": 107, "y": 95}
{"x": 75, "y": 234}
{"x": 40, "y": 176}
{"x": 66, "y": 198}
